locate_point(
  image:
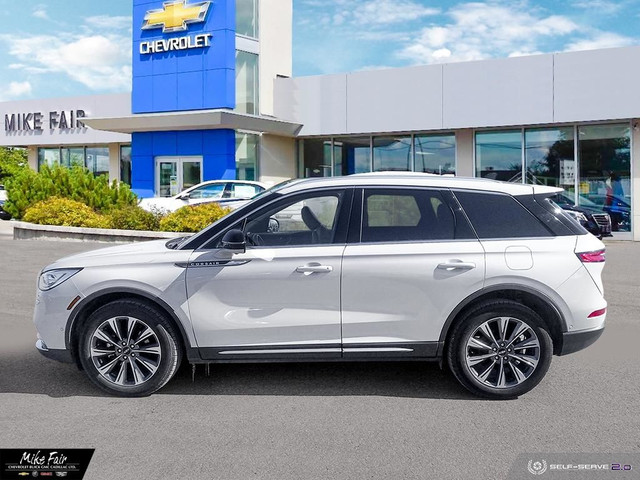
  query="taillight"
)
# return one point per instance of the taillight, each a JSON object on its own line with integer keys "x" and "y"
{"x": 592, "y": 257}
{"x": 598, "y": 313}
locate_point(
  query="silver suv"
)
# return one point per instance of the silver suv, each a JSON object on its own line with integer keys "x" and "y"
{"x": 491, "y": 278}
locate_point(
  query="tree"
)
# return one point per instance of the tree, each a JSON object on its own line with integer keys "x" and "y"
{"x": 12, "y": 160}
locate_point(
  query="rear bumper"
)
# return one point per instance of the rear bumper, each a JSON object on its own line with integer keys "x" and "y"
{"x": 63, "y": 356}
{"x": 575, "y": 341}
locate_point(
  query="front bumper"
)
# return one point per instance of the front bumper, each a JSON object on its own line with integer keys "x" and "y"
{"x": 575, "y": 341}
{"x": 63, "y": 356}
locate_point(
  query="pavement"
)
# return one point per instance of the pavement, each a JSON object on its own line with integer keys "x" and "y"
{"x": 318, "y": 421}
{"x": 6, "y": 228}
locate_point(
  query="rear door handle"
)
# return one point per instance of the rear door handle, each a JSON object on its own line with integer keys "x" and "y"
{"x": 314, "y": 268}
{"x": 450, "y": 266}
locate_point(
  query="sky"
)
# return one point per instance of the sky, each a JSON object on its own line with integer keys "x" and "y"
{"x": 52, "y": 48}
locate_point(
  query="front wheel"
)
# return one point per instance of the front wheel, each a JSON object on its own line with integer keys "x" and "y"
{"x": 500, "y": 350}
{"x": 129, "y": 349}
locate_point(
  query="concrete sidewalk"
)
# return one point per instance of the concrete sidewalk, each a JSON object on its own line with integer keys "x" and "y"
{"x": 6, "y": 228}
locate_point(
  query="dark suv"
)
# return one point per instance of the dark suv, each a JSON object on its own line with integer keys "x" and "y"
{"x": 588, "y": 214}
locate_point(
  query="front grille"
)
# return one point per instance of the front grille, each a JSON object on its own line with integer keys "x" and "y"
{"x": 602, "y": 219}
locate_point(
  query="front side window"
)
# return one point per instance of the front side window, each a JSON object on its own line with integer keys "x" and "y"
{"x": 406, "y": 215}
{"x": 208, "y": 191}
{"x": 244, "y": 190}
{"x": 497, "y": 215}
{"x": 303, "y": 221}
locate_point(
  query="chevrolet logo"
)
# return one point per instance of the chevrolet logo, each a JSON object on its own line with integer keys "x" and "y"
{"x": 175, "y": 16}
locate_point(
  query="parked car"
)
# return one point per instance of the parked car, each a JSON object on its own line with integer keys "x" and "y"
{"x": 487, "y": 277}
{"x": 4, "y": 215}
{"x": 226, "y": 192}
{"x": 588, "y": 214}
{"x": 618, "y": 209}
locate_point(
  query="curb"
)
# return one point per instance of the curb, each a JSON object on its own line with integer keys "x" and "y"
{"x": 30, "y": 231}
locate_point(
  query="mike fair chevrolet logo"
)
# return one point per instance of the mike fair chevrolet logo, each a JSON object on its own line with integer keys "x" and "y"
{"x": 176, "y": 16}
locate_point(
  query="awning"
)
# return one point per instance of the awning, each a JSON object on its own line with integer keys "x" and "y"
{"x": 194, "y": 120}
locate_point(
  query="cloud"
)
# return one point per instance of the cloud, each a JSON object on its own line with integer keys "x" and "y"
{"x": 480, "y": 30}
{"x": 109, "y": 22}
{"x": 16, "y": 90}
{"x": 98, "y": 60}
{"x": 600, "y": 7}
{"x": 40, "y": 11}
{"x": 390, "y": 11}
{"x": 601, "y": 40}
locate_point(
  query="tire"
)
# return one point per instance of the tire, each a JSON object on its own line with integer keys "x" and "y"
{"x": 118, "y": 368}
{"x": 513, "y": 363}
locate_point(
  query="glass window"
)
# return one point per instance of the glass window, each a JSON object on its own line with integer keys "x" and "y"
{"x": 72, "y": 156}
{"x": 97, "y": 160}
{"x": 246, "y": 82}
{"x": 406, "y": 215}
{"x": 550, "y": 158}
{"x": 352, "y": 155}
{"x": 435, "y": 153}
{"x": 247, "y": 18}
{"x": 48, "y": 156}
{"x": 191, "y": 173}
{"x": 392, "y": 154}
{"x": 499, "y": 155}
{"x": 215, "y": 190}
{"x": 244, "y": 190}
{"x": 308, "y": 221}
{"x": 316, "y": 157}
{"x": 125, "y": 164}
{"x": 605, "y": 171}
{"x": 247, "y": 147}
{"x": 495, "y": 215}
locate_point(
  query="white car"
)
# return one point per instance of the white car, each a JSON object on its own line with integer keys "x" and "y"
{"x": 226, "y": 192}
{"x": 492, "y": 278}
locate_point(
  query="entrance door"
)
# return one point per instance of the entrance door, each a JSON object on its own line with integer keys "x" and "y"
{"x": 175, "y": 174}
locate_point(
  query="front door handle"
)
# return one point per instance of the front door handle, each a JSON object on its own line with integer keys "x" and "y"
{"x": 314, "y": 268}
{"x": 451, "y": 266}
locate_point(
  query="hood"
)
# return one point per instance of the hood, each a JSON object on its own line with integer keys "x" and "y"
{"x": 154, "y": 251}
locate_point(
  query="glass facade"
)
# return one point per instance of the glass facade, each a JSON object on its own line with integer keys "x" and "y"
{"x": 125, "y": 164}
{"x": 392, "y": 154}
{"x": 247, "y": 82}
{"x": 247, "y": 147}
{"x": 435, "y": 154}
{"x": 499, "y": 155}
{"x": 429, "y": 153}
{"x": 592, "y": 163}
{"x": 95, "y": 158}
{"x": 247, "y": 18}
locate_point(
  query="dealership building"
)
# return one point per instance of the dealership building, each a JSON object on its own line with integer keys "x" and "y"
{"x": 213, "y": 97}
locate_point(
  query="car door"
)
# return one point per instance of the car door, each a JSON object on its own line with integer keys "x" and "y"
{"x": 414, "y": 259}
{"x": 280, "y": 298}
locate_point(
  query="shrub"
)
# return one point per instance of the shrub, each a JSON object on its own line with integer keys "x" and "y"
{"x": 66, "y": 212}
{"x": 133, "y": 218}
{"x": 27, "y": 187}
{"x": 193, "y": 218}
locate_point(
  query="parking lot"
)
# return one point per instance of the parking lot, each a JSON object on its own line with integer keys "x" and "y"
{"x": 333, "y": 421}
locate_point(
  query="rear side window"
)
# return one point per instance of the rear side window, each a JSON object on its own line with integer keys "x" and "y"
{"x": 406, "y": 215}
{"x": 496, "y": 215}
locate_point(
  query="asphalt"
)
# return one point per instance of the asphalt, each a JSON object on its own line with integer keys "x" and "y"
{"x": 317, "y": 421}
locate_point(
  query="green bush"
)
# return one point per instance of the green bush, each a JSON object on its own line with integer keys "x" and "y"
{"x": 133, "y": 218}
{"x": 12, "y": 161}
{"x": 66, "y": 212}
{"x": 193, "y": 218}
{"x": 26, "y": 188}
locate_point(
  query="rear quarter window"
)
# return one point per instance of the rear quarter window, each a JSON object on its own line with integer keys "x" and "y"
{"x": 497, "y": 215}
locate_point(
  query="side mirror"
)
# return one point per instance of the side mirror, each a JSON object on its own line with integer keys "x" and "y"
{"x": 235, "y": 241}
{"x": 184, "y": 196}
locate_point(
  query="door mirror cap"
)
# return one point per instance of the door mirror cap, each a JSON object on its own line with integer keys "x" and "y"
{"x": 184, "y": 196}
{"x": 235, "y": 241}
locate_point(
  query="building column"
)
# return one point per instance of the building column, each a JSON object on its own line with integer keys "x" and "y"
{"x": 114, "y": 162}
{"x": 464, "y": 153}
{"x": 277, "y": 159}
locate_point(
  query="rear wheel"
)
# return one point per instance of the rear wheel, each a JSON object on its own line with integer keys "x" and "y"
{"x": 500, "y": 350}
{"x": 129, "y": 349}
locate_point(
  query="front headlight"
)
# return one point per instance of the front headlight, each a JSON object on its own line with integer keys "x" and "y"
{"x": 53, "y": 278}
{"x": 578, "y": 216}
